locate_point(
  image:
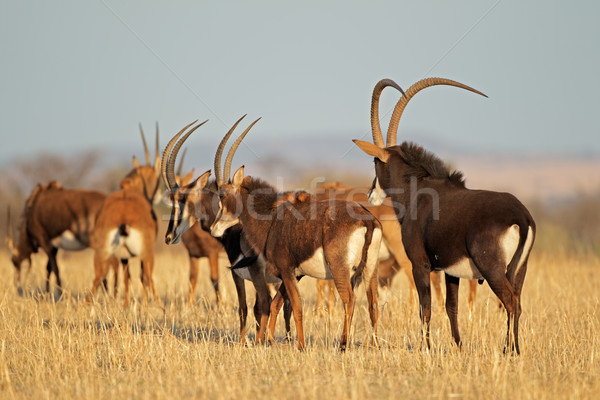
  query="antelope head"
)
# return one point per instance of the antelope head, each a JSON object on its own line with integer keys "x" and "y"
{"x": 183, "y": 197}
{"x": 228, "y": 191}
{"x": 388, "y": 157}
{"x": 146, "y": 178}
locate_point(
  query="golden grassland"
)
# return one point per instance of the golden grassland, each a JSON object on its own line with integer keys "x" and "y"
{"x": 66, "y": 349}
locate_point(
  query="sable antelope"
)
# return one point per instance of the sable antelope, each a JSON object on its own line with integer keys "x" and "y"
{"x": 54, "y": 218}
{"x": 196, "y": 203}
{"x": 465, "y": 233}
{"x": 199, "y": 244}
{"x": 298, "y": 235}
{"x": 126, "y": 225}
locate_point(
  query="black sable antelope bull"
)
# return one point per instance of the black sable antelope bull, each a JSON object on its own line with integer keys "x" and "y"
{"x": 465, "y": 233}
{"x": 197, "y": 203}
{"x": 298, "y": 236}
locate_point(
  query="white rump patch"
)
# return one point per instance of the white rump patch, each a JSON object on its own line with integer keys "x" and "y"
{"x": 509, "y": 243}
{"x": 356, "y": 242}
{"x": 315, "y": 266}
{"x": 67, "y": 241}
{"x": 465, "y": 268}
{"x": 125, "y": 246}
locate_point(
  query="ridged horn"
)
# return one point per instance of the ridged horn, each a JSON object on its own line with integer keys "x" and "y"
{"x": 219, "y": 154}
{"x": 375, "y": 127}
{"x": 173, "y": 156}
{"x": 414, "y": 89}
{"x": 165, "y": 156}
{"x": 146, "y": 152}
{"x": 180, "y": 166}
{"x": 233, "y": 148}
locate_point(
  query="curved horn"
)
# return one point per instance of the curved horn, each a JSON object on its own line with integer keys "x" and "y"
{"x": 218, "y": 172}
{"x": 414, "y": 89}
{"x": 180, "y": 167}
{"x": 375, "y": 127}
{"x": 146, "y": 152}
{"x": 173, "y": 156}
{"x": 233, "y": 148}
{"x": 167, "y": 152}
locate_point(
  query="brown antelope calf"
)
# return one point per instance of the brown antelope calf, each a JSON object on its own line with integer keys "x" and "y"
{"x": 470, "y": 234}
{"x": 126, "y": 225}
{"x": 199, "y": 244}
{"x": 54, "y": 218}
{"x": 196, "y": 203}
{"x": 298, "y": 235}
{"x": 125, "y": 228}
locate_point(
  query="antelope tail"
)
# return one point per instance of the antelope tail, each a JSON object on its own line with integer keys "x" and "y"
{"x": 358, "y": 275}
{"x": 526, "y": 238}
{"x": 123, "y": 230}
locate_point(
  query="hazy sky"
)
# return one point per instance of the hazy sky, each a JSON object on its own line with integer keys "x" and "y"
{"x": 81, "y": 74}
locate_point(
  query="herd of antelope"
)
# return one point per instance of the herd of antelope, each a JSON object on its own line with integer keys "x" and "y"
{"x": 417, "y": 217}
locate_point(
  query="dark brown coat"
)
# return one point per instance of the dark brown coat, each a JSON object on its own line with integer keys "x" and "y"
{"x": 55, "y": 218}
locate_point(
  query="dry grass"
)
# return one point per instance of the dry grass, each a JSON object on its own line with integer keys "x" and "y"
{"x": 66, "y": 349}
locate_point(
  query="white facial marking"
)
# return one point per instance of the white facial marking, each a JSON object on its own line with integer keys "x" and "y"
{"x": 465, "y": 268}
{"x": 184, "y": 225}
{"x": 67, "y": 241}
{"x": 377, "y": 195}
{"x": 221, "y": 224}
{"x": 219, "y": 227}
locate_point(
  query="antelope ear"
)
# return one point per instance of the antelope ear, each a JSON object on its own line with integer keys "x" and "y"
{"x": 201, "y": 181}
{"x": 126, "y": 184}
{"x": 238, "y": 177}
{"x": 373, "y": 150}
{"x": 187, "y": 178}
{"x": 135, "y": 162}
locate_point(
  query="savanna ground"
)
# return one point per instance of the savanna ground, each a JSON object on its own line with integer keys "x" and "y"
{"x": 67, "y": 349}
